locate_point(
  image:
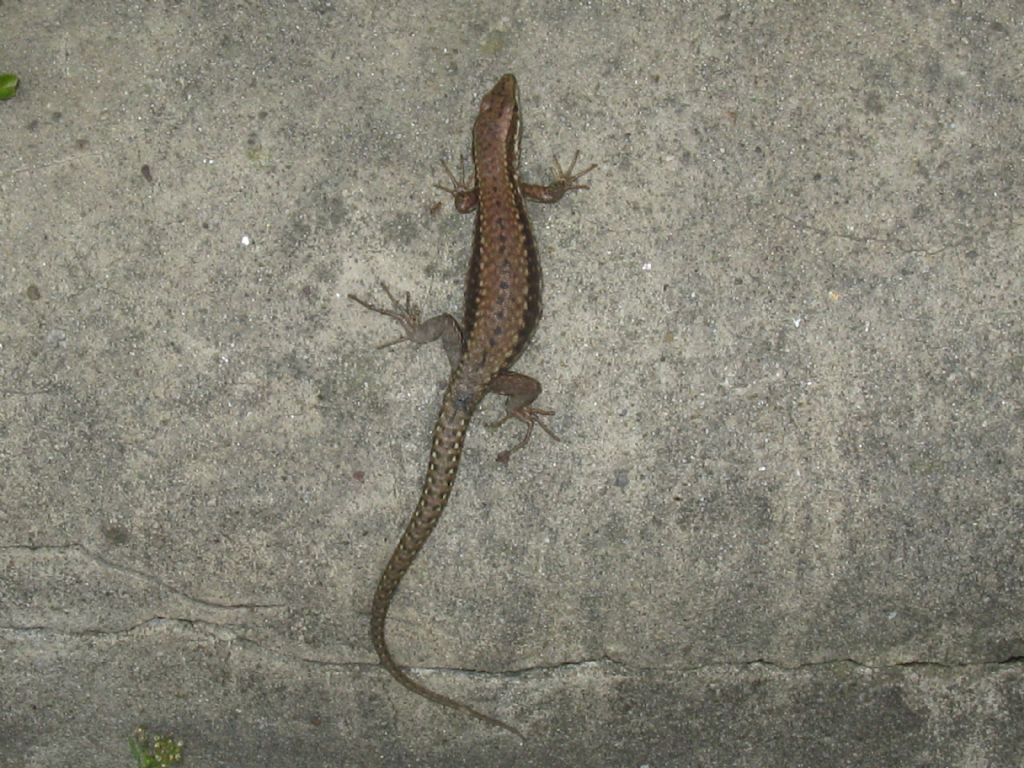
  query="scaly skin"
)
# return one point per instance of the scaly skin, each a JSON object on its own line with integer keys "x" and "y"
{"x": 502, "y": 307}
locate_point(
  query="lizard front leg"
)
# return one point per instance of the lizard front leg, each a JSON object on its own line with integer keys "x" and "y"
{"x": 565, "y": 181}
{"x": 466, "y": 199}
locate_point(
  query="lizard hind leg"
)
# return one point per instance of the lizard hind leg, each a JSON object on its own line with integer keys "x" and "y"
{"x": 407, "y": 315}
{"x": 521, "y": 391}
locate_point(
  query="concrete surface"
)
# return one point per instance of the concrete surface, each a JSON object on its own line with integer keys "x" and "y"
{"x": 783, "y": 335}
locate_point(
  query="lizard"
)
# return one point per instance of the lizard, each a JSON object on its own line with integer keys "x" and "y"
{"x": 502, "y": 305}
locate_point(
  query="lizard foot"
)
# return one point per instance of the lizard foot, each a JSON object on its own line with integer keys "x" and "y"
{"x": 565, "y": 179}
{"x": 461, "y": 189}
{"x": 528, "y": 416}
{"x": 406, "y": 315}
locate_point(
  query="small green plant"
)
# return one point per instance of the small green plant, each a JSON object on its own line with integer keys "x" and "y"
{"x": 155, "y": 752}
{"x": 8, "y": 85}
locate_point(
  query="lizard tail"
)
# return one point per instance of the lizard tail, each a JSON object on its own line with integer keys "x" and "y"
{"x": 444, "y": 464}
{"x": 388, "y": 662}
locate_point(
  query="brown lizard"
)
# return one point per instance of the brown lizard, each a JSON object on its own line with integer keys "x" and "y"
{"x": 502, "y": 307}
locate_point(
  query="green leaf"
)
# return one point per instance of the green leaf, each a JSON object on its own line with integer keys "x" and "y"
{"x": 154, "y": 752}
{"x": 8, "y": 85}
{"x": 137, "y": 740}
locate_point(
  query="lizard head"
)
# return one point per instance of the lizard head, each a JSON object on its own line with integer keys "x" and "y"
{"x": 498, "y": 121}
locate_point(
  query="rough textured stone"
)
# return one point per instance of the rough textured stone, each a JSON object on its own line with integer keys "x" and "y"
{"x": 783, "y": 334}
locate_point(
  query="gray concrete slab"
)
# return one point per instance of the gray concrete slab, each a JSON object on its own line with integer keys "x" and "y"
{"x": 782, "y": 334}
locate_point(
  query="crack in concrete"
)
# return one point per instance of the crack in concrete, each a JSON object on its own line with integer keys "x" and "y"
{"x": 900, "y": 245}
{"x": 610, "y": 662}
{"x": 861, "y": 663}
{"x": 601, "y": 661}
{"x": 540, "y": 669}
{"x": 155, "y": 621}
{"x": 141, "y": 574}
